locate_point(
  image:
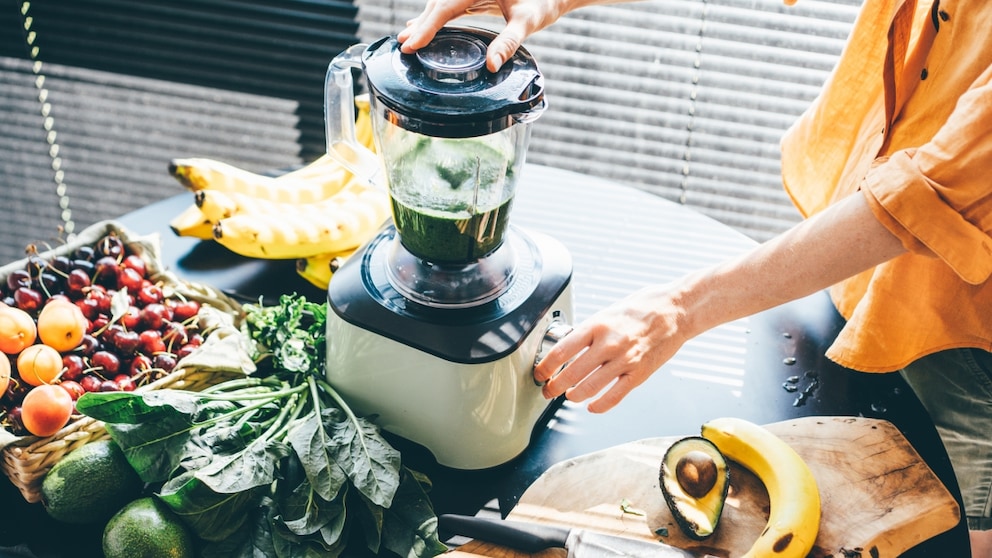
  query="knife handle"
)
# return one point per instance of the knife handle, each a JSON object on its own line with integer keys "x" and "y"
{"x": 527, "y": 537}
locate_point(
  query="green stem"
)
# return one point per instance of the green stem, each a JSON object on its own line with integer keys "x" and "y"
{"x": 231, "y": 385}
{"x": 297, "y": 407}
{"x": 252, "y": 395}
{"x": 342, "y": 404}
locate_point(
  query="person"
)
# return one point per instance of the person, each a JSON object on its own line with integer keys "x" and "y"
{"x": 890, "y": 166}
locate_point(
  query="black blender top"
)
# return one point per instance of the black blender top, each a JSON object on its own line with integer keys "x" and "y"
{"x": 445, "y": 89}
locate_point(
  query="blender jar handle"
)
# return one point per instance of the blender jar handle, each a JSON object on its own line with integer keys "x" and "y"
{"x": 339, "y": 118}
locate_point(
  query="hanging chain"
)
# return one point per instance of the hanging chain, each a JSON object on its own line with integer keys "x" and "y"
{"x": 693, "y": 93}
{"x": 48, "y": 121}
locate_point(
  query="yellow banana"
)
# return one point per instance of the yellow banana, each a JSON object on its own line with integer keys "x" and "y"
{"x": 317, "y": 180}
{"x": 319, "y": 269}
{"x": 794, "y": 517}
{"x": 216, "y": 205}
{"x": 208, "y": 174}
{"x": 340, "y": 223}
{"x": 193, "y": 223}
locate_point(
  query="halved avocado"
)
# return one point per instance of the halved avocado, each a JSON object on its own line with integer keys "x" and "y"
{"x": 695, "y": 479}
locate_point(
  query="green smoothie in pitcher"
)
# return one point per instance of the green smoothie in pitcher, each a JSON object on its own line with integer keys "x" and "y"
{"x": 451, "y": 199}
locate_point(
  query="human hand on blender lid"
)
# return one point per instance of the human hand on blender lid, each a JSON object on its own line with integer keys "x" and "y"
{"x": 523, "y": 19}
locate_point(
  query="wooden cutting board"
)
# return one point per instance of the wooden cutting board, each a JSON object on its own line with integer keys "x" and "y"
{"x": 878, "y": 497}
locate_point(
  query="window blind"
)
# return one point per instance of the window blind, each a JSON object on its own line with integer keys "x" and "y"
{"x": 108, "y": 91}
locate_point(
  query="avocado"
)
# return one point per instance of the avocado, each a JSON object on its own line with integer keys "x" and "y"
{"x": 147, "y": 528}
{"x": 90, "y": 484}
{"x": 695, "y": 478}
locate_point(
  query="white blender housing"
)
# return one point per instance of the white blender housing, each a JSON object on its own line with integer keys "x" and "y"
{"x": 436, "y": 324}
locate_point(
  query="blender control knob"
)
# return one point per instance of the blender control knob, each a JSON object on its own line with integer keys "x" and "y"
{"x": 556, "y": 330}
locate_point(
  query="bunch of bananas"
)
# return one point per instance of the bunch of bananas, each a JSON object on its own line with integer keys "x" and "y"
{"x": 318, "y": 214}
{"x": 793, "y": 496}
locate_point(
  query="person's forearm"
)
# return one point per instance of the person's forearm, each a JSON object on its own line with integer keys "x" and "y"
{"x": 838, "y": 243}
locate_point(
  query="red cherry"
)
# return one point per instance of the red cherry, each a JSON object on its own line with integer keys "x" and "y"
{"x": 107, "y": 361}
{"x": 75, "y": 389}
{"x": 91, "y": 382}
{"x": 124, "y": 382}
{"x": 139, "y": 364}
{"x": 184, "y": 310}
{"x": 135, "y": 262}
{"x": 151, "y": 342}
{"x": 73, "y": 366}
{"x": 129, "y": 279}
{"x": 150, "y": 293}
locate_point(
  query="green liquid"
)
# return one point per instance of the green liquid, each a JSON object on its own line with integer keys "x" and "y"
{"x": 451, "y": 198}
{"x": 444, "y": 238}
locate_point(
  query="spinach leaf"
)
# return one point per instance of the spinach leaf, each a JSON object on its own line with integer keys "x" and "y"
{"x": 211, "y": 515}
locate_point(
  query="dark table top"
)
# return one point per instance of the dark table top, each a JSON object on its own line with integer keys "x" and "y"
{"x": 621, "y": 239}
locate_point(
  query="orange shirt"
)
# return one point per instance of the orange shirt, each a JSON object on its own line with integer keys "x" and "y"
{"x": 906, "y": 119}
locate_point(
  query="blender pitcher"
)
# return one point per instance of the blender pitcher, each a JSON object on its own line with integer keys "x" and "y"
{"x": 451, "y": 139}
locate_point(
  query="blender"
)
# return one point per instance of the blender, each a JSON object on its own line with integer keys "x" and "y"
{"x": 435, "y": 325}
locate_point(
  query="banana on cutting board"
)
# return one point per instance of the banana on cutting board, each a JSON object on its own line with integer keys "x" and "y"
{"x": 793, "y": 495}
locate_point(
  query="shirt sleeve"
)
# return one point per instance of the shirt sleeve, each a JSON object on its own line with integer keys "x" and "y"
{"x": 937, "y": 198}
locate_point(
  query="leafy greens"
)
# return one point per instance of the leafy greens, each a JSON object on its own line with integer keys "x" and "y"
{"x": 276, "y": 463}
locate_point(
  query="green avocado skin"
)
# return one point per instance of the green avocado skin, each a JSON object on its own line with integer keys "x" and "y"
{"x": 90, "y": 484}
{"x": 697, "y": 517}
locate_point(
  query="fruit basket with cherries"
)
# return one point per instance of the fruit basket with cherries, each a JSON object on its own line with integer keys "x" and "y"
{"x": 99, "y": 314}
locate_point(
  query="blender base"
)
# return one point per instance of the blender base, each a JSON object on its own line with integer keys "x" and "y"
{"x": 470, "y": 405}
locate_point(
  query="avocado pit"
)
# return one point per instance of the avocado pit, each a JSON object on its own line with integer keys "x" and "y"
{"x": 696, "y": 472}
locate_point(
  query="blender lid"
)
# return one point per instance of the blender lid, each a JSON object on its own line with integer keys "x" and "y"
{"x": 445, "y": 89}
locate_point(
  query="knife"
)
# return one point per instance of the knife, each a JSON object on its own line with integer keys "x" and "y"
{"x": 535, "y": 537}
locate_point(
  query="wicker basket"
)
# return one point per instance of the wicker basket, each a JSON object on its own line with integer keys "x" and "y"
{"x": 26, "y": 459}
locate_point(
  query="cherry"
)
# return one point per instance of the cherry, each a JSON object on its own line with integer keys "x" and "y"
{"x": 105, "y": 272}
{"x": 73, "y": 367}
{"x": 154, "y": 316}
{"x": 88, "y": 345}
{"x": 107, "y": 361}
{"x": 131, "y": 319}
{"x": 76, "y": 283}
{"x": 74, "y": 388}
{"x": 185, "y": 350}
{"x": 164, "y": 361}
{"x": 91, "y": 382}
{"x": 137, "y": 263}
{"x": 127, "y": 342}
{"x": 150, "y": 293}
{"x": 174, "y": 334}
{"x": 84, "y": 253}
{"x": 139, "y": 364}
{"x": 128, "y": 278}
{"x": 184, "y": 310}
{"x": 18, "y": 278}
{"x": 109, "y": 385}
{"x": 124, "y": 382}
{"x": 151, "y": 342}
{"x": 90, "y": 308}
{"x": 110, "y": 246}
{"x": 27, "y": 299}
{"x": 62, "y": 264}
